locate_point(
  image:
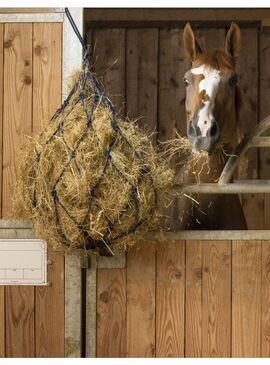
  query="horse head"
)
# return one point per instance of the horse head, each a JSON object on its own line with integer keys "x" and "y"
{"x": 212, "y": 95}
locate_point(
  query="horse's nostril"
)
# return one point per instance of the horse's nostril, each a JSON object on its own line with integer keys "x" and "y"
{"x": 213, "y": 130}
{"x": 191, "y": 129}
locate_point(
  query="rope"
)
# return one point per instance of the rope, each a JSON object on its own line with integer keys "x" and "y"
{"x": 99, "y": 97}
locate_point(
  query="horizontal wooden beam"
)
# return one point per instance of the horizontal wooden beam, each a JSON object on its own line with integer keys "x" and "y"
{"x": 177, "y": 17}
{"x": 15, "y": 224}
{"x": 32, "y": 18}
{"x": 203, "y": 235}
{"x": 31, "y": 10}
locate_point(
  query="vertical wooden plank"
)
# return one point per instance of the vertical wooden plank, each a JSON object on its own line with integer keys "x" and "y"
{"x": 141, "y": 276}
{"x": 210, "y": 38}
{"x": 109, "y": 64}
{"x": 170, "y": 303}
{"x": 171, "y": 104}
{"x": 91, "y": 309}
{"x": 265, "y": 299}
{"x": 264, "y": 111}
{"x": 171, "y": 89}
{"x": 17, "y": 120}
{"x": 2, "y": 322}
{"x": 264, "y": 174}
{"x": 141, "y": 77}
{"x": 141, "y": 102}
{"x": 49, "y": 317}
{"x": 20, "y": 333}
{"x": 111, "y": 313}
{"x": 248, "y": 69}
{"x": 47, "y": 62}
{"x": 71, "y": 61}
{"x": 73, "y": 305}
{"x": 216, "y": 299}
{"x": 193, "y": 330}
{"x": 47, "y": 72}
{"x": 170, "y": 299}
{"x": 17, "y": 111}
{"x": 109, "y": 61}
{"x": 246, "y": 299}
{"x": 2, "y": 289}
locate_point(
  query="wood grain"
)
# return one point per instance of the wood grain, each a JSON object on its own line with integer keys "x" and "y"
{"x": 264, "y": 153}
{"x": 246, "y": 299}
{"x": 141, "y": 271}
{"x": 193, "y": 330}
{"x": 49, "y": 301}
{"x": 17, "y": 102}
{"x": 109, "y": 65}
{"x": 17, "y": 121}
{"x": 2, "y": 289}
{"x": 111, "y": 313}
{"x": 216, "y": 299}
{"x": 210, "y": 38}
{"x": 30, "y": 10}
{"x": 2, "y": 322}
{"x": 47, "y": 72}
{"x": 247, "y": 67}
{"x": 171, "y": 89}
{"x": 170, "y": 299}
{"x": 141, "y": 89}
{"x": 20, "y": 332}
{"x": 265, "y": 315}
{"x": 171, "y": 106}
{"x": 142, "y": 77}
{"x": 173, "y": 16}
{"x": 50, "y": 311}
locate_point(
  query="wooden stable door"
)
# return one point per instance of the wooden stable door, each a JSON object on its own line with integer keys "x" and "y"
{"x": 31, "y": 318}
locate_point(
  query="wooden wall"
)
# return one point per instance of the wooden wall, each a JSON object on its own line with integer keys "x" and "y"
{"x": 199, "y": 298}
{"x": 31, "y": 318}
{"x": 179, "y": 299}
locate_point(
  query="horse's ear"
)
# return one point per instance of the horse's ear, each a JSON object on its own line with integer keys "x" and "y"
{"x": 233, "y": 40}
{"x": 191, "y": 46}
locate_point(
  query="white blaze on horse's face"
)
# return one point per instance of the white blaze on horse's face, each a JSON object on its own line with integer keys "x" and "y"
{"x": 208, "y": 87}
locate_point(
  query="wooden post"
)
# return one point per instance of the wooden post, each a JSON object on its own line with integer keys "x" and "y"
{"x": 72, "y": 58}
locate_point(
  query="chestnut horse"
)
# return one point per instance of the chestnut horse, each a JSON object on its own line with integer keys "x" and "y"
{"x": 212, "y": 105}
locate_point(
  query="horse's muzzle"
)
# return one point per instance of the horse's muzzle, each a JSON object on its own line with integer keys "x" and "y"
{"x": 204, "y": 143}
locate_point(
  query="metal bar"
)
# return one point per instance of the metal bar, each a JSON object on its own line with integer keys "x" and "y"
{"x": 256, "y": 187}
{"x": 208, "y": 235}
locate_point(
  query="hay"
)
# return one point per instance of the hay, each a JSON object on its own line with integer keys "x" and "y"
{"x": 119, "y": 165}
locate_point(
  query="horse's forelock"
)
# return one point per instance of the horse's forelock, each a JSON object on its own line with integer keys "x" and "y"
{"x": 216, "y": 59}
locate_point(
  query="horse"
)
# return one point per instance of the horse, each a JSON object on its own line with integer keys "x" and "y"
{"x": 212, "y": 108}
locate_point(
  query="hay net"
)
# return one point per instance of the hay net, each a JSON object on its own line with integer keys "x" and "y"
{"x": 91, "y": 178}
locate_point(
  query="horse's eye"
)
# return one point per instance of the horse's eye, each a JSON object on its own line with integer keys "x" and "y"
{"x": 233, "y": 81}
{"x": 186, "y": 82}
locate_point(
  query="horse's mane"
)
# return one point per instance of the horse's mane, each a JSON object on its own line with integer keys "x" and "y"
{"x": 218, "y": 59}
